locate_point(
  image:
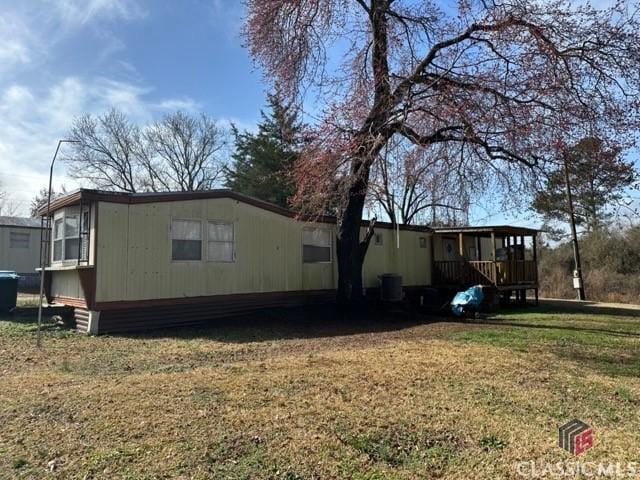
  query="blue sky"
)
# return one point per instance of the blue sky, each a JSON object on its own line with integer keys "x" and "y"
{"x": 59, "y": 59}
{"x": 62, "y": 58}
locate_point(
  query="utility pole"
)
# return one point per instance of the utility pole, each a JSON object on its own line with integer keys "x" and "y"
{"x": 578, "y": 284}
{"x": 46, "y": 255}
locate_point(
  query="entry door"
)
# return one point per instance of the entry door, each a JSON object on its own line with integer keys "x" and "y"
{"x": 449, "y": 249}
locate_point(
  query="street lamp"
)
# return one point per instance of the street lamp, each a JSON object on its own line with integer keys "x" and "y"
{"x": 43, "y": 256}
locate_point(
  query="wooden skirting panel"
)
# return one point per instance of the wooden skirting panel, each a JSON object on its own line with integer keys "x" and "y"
{"x": 118, "y": 317}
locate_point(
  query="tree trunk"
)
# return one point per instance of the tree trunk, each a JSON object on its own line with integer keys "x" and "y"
{"x": 372, "y": 138}
{"x": 351, "y": 250}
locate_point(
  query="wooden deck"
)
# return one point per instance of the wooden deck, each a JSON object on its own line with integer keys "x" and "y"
{"x": 501, "y": 274}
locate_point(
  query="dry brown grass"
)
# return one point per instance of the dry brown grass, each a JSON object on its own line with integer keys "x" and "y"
{"x": 600, "y": 285}
{"x": 292, "y": 400}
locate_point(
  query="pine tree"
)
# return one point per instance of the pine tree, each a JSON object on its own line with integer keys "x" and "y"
{"x": 262, "y": 161}
{"x": 598, "y": 177}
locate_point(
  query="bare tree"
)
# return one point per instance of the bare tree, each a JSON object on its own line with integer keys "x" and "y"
{"x": 493, "y": 77}
{"x": 414, "y": 184}
{"x": 183, "y": 153}
{"x": 179, "y": 152}
{"x": 3, "y": 194}
{"x": 108, "y": 152}
{"x": 7, "y": 206}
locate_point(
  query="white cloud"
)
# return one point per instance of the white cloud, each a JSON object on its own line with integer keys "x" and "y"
{"x": 81, "y": 12}
{"x": 184, "y": 104}
{"x": 228, "y": 15}
{"x": 12, "y": 52}
{"x": 31, "y": 32}
{"x": 16, "y": 43}
{"x": 32, "y": 122}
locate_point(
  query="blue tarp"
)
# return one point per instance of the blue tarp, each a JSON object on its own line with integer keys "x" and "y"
{"x": 472, "y": 297}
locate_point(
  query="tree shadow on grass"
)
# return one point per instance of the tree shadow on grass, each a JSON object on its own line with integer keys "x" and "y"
{"x": 546, "y": 326}
{"x": 291, "y": 323}
{"x": 614, "y": 352}
{"x": 604, "y": 362}
{"x": 589, "y": 308}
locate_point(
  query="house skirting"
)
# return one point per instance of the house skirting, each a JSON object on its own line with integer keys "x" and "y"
{"x": 132, "y": 316}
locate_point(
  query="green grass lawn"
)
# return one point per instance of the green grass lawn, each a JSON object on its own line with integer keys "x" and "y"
{"x": 304, "y": 396}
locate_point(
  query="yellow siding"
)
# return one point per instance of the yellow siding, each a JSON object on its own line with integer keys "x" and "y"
{"x": 406, "y": 258}
{"x": 65, "y": 283}
{"x": 21, "y": 260}
{"x": 134, "y": 253}
{"x": 111, "y": 247}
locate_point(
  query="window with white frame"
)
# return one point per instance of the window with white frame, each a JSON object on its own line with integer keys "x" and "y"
{"x": 71, "y": 237}
{"x": 58, "y": 238}
{"x": 66, "y": 236}
{"x": 220, "y": 242}
{"x": 19, "y": 240}
{"x": 186, "y": 240}
{"x": 316, "y": 245}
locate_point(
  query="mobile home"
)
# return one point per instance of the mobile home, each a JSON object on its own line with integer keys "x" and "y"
{"x": 135, "y": 261}
{"x": 128, "y": 261}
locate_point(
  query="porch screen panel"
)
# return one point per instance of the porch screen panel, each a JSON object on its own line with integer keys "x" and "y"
{"x": 186, "y": 240}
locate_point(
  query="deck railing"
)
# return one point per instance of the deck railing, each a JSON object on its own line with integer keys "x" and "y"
{"x": 513, "y": 272}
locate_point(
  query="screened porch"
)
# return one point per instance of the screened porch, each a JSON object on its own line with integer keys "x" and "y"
{"x": 504, "y": 257}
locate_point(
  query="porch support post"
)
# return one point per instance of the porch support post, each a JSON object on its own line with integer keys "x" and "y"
{"x": 463, "y": 265}
{"x": 508, "y": 245}
{"x": 523, "y": 267}
{"x": 534, "y": 237}
{"x": 495, "y": 265}
{"x": 493, "y": 245}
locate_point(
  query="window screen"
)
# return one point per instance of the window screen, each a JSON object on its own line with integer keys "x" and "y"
{"x": 186, "y": 240}
{"x": 58, "y": 239}
{"x": 316, "y": 245}
{"x": 71, "y": 237}
{"x": 220, "y": 240}
{"x": 84, "y": 236}
{"x": 19, "y": 239}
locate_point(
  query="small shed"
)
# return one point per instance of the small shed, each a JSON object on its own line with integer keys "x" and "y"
{"x": 20, "y": 248}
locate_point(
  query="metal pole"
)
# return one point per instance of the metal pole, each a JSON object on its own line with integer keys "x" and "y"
{"x": 574, "y": 234}
{"x": 42, "y": 257}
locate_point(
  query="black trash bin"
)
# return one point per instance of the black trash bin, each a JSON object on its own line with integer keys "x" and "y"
{"x": 8, "y": 290}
